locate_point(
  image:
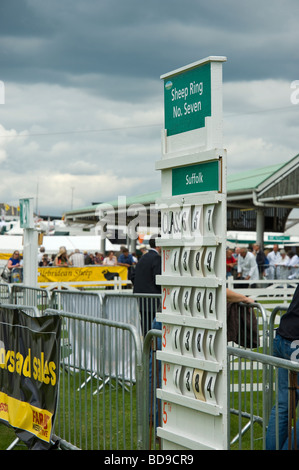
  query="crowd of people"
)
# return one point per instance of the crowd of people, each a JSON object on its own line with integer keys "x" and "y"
{"x": 254, "y": 263}
{"x": 244, "y": 263}
{"x": 78, "y": 258}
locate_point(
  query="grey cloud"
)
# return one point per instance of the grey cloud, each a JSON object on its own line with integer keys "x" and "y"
{"x": 138, "y": 40}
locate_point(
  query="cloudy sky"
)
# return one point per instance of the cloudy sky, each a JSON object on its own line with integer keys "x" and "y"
{"x": 81, "y": 111}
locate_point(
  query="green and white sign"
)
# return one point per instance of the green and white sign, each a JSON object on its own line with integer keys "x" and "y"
{"x": 196, "y": 178}
{"x": 187, "y": 99}
{"x": 26, "y": 213}
{"x": 278, "y": 238}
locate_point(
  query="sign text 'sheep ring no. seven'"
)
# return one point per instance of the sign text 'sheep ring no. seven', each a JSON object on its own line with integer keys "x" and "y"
{"x": 187, "y": 100}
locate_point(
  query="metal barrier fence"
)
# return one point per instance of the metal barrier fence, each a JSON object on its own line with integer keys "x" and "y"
{"x": 250, "y": 404}
{"x": 152, "y": 381}
{"x": 129, "y": 306}
{"x": 101, "y": 399}
{"x": 25, "y": 295}
{"x": 252, "y": 407}
{"x": 267, "y": 293}
{"x": 84, "y": 303}
{"x": 105, "y": 393}
{"x": 106, "y": 411}
{"x": 274, "y": 320}
{"x": 250, "y": 323}
{"x": 5, "y": 293}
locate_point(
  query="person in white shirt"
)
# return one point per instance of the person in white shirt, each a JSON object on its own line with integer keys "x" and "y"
{"x": 110, "y": 260}
{"x": 282, "y": 267}
{"x": 274, "y": 258}
{"x": 77, "y": 259}
{"x": 247, "y": 266}
{"x": 293, "y": 265}
{"x": 40, "y": 254}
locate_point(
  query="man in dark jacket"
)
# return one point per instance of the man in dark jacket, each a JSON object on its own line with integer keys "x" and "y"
{"x": 260, "y": 258}
{"x": 147, "y": 268}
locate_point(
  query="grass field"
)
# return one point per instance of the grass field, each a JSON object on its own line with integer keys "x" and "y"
{"x": 107, "y": 420}
{"x": 104, "y": 420}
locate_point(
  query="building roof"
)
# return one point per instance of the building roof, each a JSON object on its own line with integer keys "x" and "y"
{"x": 251, "y": 179}
{"x": 272, "y": 187}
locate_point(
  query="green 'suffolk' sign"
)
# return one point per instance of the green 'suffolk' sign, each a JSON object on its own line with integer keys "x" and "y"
{"x": 196, "y": 178}
{"x": 187, "y": 99}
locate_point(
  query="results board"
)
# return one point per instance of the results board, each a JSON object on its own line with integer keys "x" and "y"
{"x": 193, "y": 318}
{"x": 193, "y": 390}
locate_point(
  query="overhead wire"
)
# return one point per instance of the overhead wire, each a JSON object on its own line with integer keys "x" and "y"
{"x": 142, "y": 126}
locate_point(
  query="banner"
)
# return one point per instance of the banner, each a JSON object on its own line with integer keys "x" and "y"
{"x": 29, "y": 375}
{"x": 5, "y": 256}
{"x": 84, "y": 274}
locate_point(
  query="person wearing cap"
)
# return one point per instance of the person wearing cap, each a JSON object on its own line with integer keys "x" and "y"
{"x": 143, "y": 249}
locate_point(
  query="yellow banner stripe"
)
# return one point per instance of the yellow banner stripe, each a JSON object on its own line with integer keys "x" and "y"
{"x": 22, "y": 415}
{"x": 88, "y": 273}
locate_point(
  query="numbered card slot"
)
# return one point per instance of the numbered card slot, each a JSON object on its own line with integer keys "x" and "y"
{"x": 210, "y": 303}
{"x": 176, "y": 378}
{"x": 185, "y": 261}
{"x": 186, "y": 383}
{"x": 210, "y": 345}
{"x": 208, "y": 223}
{"x": 196, "y": 262}
{"x": 171, "y": 338}
{"x": 198, "y": 302}
{"x": 171, "y": 261}
{"x": 198, "y": 384}
{"x": 176, "y": 339}
{"x": 175, "y": 300}
{"x": 175, "y": 261}
{"x": 186, "y": 301}
{"x": 198, "y": 343}
{"x": 171, "y": 300}
{"x": 187, "y": 341}
{"x": 171, "y": 377}
{"x": 186, "y": 221}
{"x": 210, "y": 387}
{"x": 197, "y": 221}
{"x": 209, "y": 261}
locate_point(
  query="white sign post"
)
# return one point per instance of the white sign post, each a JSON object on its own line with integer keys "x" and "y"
{"x": 193, "y": 240}
{"x": 30, "y": 242}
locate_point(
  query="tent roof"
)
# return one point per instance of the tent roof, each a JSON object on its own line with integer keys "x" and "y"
{"x": 9, "y": 243}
